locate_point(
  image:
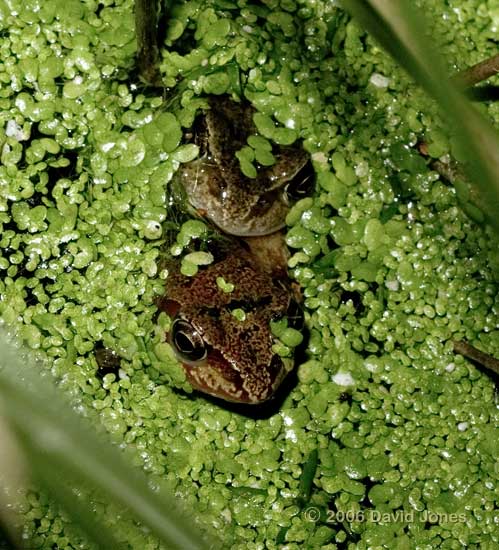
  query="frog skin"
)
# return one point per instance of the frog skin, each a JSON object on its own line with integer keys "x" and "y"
{"x": 222, "y": 355}
{"x": 215, "y": 185}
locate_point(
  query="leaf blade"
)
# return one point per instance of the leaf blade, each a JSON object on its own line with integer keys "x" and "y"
{"x": 52, "y": 432}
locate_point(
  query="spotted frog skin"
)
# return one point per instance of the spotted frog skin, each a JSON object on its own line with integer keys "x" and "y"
{"x": 223, "y": 355}
{"x": 214, "y": 184}
{"x": 227, "y": 357}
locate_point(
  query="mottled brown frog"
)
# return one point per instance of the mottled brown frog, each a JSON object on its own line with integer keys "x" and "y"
{"x": 217, "y": 188}
{"x": 223, "y": 338}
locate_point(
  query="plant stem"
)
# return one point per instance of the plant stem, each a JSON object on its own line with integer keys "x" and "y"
{"x": 448, "y": 170}
{"x": 146, "y": 30}
{"x": 452, "y": 172}
{"x": 477, "y": 73}
{"x": 470, "y": 352}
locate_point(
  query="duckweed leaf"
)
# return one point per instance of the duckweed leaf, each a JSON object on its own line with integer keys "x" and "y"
{"x": 265, "y": 158}
{"x": 216, "y": 83}
{"x": 400, "y": 28}
{"x": 186, "y": 153}
{"x": 172, "y": 133}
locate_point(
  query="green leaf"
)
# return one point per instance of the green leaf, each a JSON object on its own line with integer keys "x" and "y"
{"x": 246, "y": 154}
{"x": 135, "y": 152}
{"x": 62, "y": 445}
{"x": 265, "y": 158}
{"x": 406, "y": 158}
{"x": 171, "y": 129}
{"x": 264, "y": 124}
{"x": 216, "y": 83}
{"x": 401, "y": 29}
{"x": 284, "y": 136}
{"x": 186, "y": 153}
{"x": 259, "y": 142}
{"x": 247, "y": 168}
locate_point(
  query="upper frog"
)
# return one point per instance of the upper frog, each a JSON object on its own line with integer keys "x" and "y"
{"x": 215, "y": 185}
{"x": 223, "y": 338}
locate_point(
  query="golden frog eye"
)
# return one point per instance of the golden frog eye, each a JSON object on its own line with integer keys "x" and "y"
{"x": 187, "y": 342}
{"x": 302, "y": 185}
{"x": 295, "y": 315}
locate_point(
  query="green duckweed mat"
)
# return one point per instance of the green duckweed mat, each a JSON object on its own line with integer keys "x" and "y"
{"x": 398, "y": 432}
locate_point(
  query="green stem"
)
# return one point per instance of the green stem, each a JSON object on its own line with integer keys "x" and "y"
{"x": 307, "y": 477}
{"x": 146, "y": 29}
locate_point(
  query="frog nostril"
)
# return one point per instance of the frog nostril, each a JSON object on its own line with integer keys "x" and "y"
{"x": 264, "y": 202}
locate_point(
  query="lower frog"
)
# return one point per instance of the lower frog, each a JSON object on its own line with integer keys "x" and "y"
{"x": 221, "y": 329}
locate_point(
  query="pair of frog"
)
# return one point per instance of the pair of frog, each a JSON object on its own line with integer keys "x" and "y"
{"x": 224, "y": 356}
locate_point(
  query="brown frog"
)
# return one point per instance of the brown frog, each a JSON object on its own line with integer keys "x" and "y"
{"x": 223, "y": 338}
{"x": 215, "y": 186}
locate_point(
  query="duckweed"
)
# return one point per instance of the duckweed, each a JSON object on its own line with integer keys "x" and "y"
{"x": 189, "y": 230}
{"x": 188, "y": 268}
{"x": 224, "y": 285}
{"x": 291, "y": 337}
{"x": 199, "y": 258}
{"x": 393, "y": 265}
{"x": 239, "y": 314}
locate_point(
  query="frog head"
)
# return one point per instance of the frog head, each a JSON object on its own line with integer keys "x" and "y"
{"x": 223, "y": 338}
{"x": 216, "y": 187}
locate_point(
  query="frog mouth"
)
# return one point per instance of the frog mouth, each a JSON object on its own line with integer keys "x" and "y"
{"x": 238, "y": 231}
{"x": 218, "y": 378}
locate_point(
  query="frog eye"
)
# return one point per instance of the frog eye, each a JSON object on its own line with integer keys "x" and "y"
{"x": 301, "y": 185}
{"x": 295, "y": 315}
{"x": 187, "y": 342}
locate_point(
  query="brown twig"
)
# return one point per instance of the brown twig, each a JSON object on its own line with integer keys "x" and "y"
{"x": 470, "y": 352}
{"x": 477, "y": 73}
{"x": 451, "y": 170}
{"x": 146, "y": 29}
